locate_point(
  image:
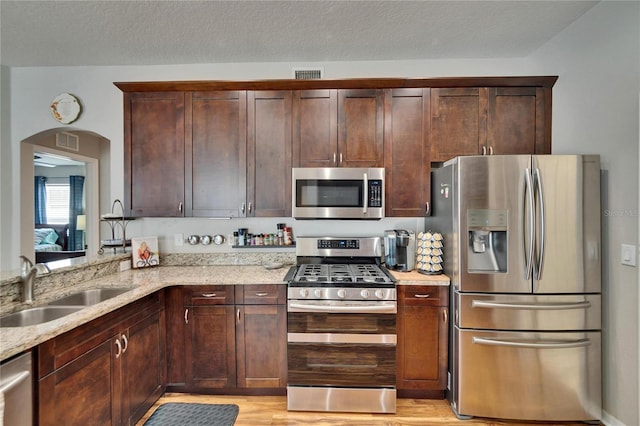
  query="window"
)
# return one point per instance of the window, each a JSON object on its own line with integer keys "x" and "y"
{"x": 57, "y": 203}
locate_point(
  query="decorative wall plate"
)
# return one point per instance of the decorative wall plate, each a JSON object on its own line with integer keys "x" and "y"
{"x": 65, "y": 108}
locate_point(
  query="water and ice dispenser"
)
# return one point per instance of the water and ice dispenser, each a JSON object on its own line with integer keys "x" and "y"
{"x": 487, "y": 241}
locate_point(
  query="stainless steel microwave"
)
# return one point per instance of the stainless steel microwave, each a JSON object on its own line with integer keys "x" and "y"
{"x": 338, "y": 193}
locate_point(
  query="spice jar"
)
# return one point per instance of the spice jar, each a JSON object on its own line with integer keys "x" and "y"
{"x": 280, "y": 234}
{"x": 288, "y": 236}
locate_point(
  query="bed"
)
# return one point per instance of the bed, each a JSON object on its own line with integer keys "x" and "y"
{"x": 51, "y": 242}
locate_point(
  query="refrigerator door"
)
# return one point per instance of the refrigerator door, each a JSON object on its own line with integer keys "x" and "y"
{"x": 561, "y": 372}
{"x": 495, "y": 221}
{"x": 528, "y": 312}
{"x": 567, "y": 245}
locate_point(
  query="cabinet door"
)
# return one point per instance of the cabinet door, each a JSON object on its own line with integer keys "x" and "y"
{"x": 360, "y": 128}
{"x": 269, "y": 153}
{"x": 262, "y": 346}
{"x": 407, "y": 159}
{"x": 143, "y": 366}
{"x": 85, "y": 391}
{"x": 154, "y": 154}
{"x": 422, "y": 339}
{"x": 516, "y": 121}
{"x": 315, "y": 128}
{"x": 216, "y": 146}
{"x": 210, "y": 347}
{"x": 458, "y": 122}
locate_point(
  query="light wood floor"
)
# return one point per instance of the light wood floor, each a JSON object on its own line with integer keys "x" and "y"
{"x": 272, "y": 410}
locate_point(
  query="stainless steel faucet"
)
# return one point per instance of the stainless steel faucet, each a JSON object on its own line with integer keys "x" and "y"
{"x": 28, "y": 272}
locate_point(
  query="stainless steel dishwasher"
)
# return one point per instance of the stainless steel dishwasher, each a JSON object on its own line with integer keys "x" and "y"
{"x": 16, "y": 394}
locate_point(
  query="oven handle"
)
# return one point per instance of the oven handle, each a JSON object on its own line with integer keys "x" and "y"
{"x": 385, "y": 309}
{"x": 360, "y": 339}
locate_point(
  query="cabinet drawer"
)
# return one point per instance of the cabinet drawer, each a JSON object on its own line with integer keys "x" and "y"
{"x": 423, "y": 295}
{"x": 261, "y": 294}
{"x": 210, "y": 295}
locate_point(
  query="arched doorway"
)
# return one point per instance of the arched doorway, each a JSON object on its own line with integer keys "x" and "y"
{"x": 86, "y": 147}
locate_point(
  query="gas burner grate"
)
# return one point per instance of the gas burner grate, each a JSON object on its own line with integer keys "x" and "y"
{"x": 342, "y": 274}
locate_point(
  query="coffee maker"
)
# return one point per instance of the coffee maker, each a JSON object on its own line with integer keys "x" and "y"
{"x": 400, "y": 249}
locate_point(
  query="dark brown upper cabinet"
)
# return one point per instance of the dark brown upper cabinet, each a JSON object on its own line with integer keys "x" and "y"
{"x": 338, "y": 128}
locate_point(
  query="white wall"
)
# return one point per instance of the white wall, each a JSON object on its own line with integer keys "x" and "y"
{"x": 595, "y": 110}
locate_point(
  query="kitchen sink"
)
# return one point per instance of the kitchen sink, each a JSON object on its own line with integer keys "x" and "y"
{"x": 89, "y": 297}
{"x": 34, "y": 316}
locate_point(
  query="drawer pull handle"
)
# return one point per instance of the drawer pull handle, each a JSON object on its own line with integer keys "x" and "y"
{"x": 238, "y": 315}
{"x": 186, "y": 316}
{"x": 263, "y": 294}
{"x": 209, "y": 294}
{"x": 423, "y": 296}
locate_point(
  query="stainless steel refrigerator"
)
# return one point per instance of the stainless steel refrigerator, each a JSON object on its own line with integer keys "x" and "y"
{"x": 522, "y": 248}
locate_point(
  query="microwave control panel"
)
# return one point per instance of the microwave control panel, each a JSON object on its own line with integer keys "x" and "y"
{"x": 375, "y": 193}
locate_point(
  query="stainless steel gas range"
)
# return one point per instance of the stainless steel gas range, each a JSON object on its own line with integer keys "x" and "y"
{"x": 341, "y": 327}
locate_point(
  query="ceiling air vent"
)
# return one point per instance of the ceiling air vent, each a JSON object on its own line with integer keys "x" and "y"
{"x": 307, "y": 73}
{"x": 68, "y": 141}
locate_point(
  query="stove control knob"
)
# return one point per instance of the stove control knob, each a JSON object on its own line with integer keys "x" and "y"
{"x": 380, "y": 294}
{"x": 365, "y": 293}
{"x": 304, "y": 292}
{"x": 342, "y": 293}
{"x": 318, "y": 293}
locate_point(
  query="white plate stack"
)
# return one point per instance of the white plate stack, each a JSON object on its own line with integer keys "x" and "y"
{"x": 429, "y": 253}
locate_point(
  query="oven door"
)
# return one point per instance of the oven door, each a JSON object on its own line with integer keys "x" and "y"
{"x": 341, "y": 349}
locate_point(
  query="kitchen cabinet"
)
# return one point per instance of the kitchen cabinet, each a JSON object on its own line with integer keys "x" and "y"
{"x": 226, "y": 148}
{"x": 216, "y": 153}
{"x": 489, "y": 120}
{"x": 269, "y": 153}
{"x": 108, "y": 371}
{"x": 516, "y": 121}
{"x": 209, "y": 340}
{"x": 458, "y": 122}
{"x": 338, "y": 128}
{"x": 235, "y": 338}
{"x": 407, "y": 159}
{"x": 422, "y": 327}
{"x": 154, "y": 154}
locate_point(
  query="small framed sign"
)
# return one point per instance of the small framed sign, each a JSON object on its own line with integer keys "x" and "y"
{"x": 145, "y": 252}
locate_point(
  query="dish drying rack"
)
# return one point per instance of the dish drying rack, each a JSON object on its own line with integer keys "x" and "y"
{"x": 115, "y": 220}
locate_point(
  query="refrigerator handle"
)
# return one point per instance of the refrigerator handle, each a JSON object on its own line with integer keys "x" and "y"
{"x": 534, "y": 307}
{"x": 528, "y": 248}
{"x": 534, "y": 344}
{"x": 540, "y": 193}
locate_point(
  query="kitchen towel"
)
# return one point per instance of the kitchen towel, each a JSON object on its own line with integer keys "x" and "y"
{"x": 189, "y": 414}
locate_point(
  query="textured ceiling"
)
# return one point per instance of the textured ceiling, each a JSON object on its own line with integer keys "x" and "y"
{"x": 69, "y": 33}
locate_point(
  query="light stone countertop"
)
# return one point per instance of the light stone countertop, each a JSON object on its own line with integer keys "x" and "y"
{"x": 14, "y": 340}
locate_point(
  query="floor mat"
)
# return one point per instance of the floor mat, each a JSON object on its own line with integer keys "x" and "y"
{"x": 188, "y": 414}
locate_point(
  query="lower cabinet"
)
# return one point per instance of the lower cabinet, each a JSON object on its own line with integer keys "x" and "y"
{"x": 422, "y": 328}
{"x": 234, "y": 339}
{"x": 107, "y": 372}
